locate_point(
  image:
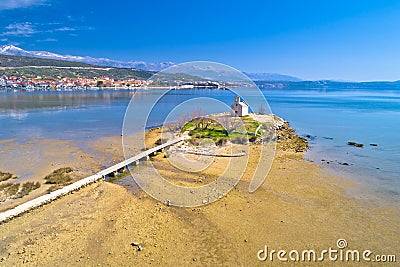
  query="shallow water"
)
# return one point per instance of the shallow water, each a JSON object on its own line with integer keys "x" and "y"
{"x": 335, "y": 117}
{"x": 331, "y": 117}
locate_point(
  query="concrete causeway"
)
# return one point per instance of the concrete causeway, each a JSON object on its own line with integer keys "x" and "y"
{"x": 42, "y": 200}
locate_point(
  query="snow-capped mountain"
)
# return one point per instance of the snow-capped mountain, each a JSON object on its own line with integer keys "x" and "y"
{"x": 16, "y": 51}
{"x": 12, "y": 50}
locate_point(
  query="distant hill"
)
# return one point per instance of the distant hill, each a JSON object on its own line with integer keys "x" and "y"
{"x": 12, "y": 50}
{"x": 16, "y": 61}
{"x": 272, "y": 77}
{"x": 23, "y": 61}
{"x": 32, "y": 67}
{"x": 328, "y": 85}
{"x": 16, "y": 51}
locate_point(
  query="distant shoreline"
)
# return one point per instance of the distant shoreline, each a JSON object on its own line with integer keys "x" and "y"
{"x": 41, "y": 90}
{"x": 263, "y": 85}
{"x": 47, "y": 90}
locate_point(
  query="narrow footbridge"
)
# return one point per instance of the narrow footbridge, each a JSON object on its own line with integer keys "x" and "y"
{"x": 37, "y": 202}
{"x": 134, "y": 160}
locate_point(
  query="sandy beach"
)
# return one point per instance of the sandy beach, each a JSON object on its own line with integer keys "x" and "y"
{"x": 300, "y": 206}
{"x": 199, "y": 133}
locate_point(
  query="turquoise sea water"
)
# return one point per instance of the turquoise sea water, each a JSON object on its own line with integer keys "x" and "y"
{"x": 334, "y": 118}
{"x": 330, "y": 117}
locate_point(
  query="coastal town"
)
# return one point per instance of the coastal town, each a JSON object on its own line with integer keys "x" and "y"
{"x": 14, "y": 83}
{"x": 39, "y": 83}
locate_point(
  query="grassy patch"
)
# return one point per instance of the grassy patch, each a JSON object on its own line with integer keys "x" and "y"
{"x": 250, "y": 124}
{"x": 215, "y": 133}
{"x": 219, "y": 134}
{"x": 13, "y": 191}
{"x": 118, "y": 177}
{"x": 59, "y": 177}
{"x": 8, "y": 190}
{"x": 188, "y": 126}
{"x": 53, "y": 188}
{"x": 4, "y": 176}
{"x": 26, "y": 188}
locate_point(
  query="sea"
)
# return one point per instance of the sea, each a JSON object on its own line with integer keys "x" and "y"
{"x": 329, "y": 118}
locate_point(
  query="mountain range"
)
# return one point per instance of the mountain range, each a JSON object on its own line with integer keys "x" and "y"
{"x": 273, "y": 77}
{"x": 16, "y": 51}
{"x": 12, "y": 50}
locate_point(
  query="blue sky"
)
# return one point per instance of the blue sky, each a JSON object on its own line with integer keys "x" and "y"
{"x": 342, "y": 40}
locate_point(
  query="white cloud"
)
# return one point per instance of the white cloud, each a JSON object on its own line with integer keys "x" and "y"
{"x": 14, "y": 4}
{"x": 76, "y": 19}
{"x": 45, "y": 33}
{"x": 47, "y": 40}
{"x": 65, "y": 29}
{"x": 24, "y": 29}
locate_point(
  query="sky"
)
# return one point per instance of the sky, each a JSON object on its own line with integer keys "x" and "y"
{"x": 313, "y": 40}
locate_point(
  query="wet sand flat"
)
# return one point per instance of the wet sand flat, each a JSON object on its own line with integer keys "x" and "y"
{"x": 33, "y": 159}
{"x": 300, "y": 206}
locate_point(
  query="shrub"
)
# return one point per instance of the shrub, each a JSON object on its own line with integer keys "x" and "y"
{"x": 161, "y": 141}
{"x": 59, "y": 176}
{"x": 222, "y": 141}
{"x": 53, "y": 188}
{"x": 240, "y": 140}
{"x": 8, "y": 190}
{"x": 4, "y": 176}
{"x": 253, "y": 139}
{"x": 63, "y": 170}
{"x": 195, "y": 141}
{"x": 26, "y": 188}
